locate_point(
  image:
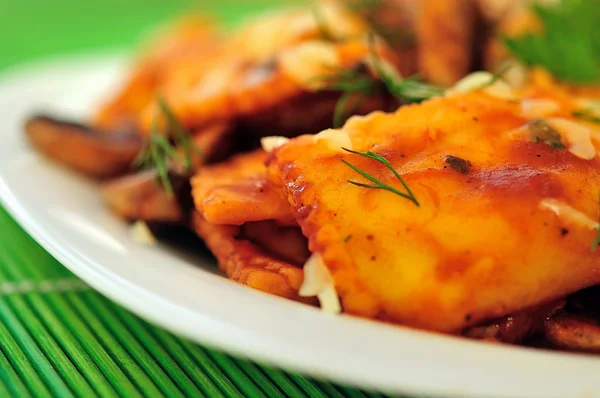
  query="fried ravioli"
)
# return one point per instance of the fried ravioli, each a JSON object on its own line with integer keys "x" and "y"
{"x": 260, "y": 255}
{"x": 502, "y": 221}
{"x": 239, "y": 191}
{"x": 270, "y": 72}
{"x": 175, "y": 56}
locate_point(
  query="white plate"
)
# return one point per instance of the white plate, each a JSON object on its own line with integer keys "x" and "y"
{"x": 66, "y": 215}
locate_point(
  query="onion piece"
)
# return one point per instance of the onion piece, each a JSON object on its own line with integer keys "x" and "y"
{"x": 336, "y": 139}
{"x": 140, "y": 233}
{"x": 538, "y": 108}
{"x": 319, "y": 282}
{"x": 272, "y": 142}
{"x": 481, "y": 81}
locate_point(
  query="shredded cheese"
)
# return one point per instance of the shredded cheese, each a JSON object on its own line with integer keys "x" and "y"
{"x": 568, "y": 213}
{"x": 140, "y": 233}
{"x": 270, "y": 143}
{"x": 538, "y": 108}
{"x": 319, "y": 282}
{"x": 481, "y": 81}
{"x": 336, "y": 139}
{"x": 577, "y": 137}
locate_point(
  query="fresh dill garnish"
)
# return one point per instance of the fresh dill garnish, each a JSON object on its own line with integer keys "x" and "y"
{"x": 358, "y": 83}
{"x": 182, "y": 137}
{"x": 345, "y": 107}
{"x": 159, "y": 150}
{"x": 406, "y": 90}
{"x": 497, "y": 76}
{"x": 543, "y": 132}
{"x": 587, "y": 115}
{"x": 568, "y": 43}
{"x": 157, "y": 153}
{"x": 596, "y": 241}
{"x": 377, "y": 183}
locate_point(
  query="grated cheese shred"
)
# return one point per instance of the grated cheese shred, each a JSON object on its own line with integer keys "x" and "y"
{"x": 567, "y": 213}
{"x": 319, "y": 282}
{"x": 272, "y": 142}
{"x": 140, "y": 233}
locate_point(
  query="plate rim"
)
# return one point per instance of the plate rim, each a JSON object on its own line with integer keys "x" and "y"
{"x": 411, "y": 380}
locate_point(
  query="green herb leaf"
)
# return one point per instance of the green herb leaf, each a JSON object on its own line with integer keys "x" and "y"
{"x": 568, "y": 45}
{"x": 596, "y": 241}
{"x": 587, "y": 115}
{"x": 408, "y": 90}
{"x": 541, "y": 131}
{"x": 355, "y": 84}
{"x": 377, "y": 183}
{"x": 160, "y": 153}
{"x": 157, "y": 153}
{"x": 182, "y": 137}
{"x": 353, "y": 80}
{"x": 497, "y": 76}
{"x": 345, "y": 107}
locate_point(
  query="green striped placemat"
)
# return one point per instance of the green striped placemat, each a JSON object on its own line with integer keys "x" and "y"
{"x": 60, "y": 338}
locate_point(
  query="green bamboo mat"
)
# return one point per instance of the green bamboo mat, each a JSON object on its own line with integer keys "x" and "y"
{"x": 59, "y": 338}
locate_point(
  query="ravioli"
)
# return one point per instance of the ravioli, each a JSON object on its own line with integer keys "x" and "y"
{"x": 239, "y": 191}
{"x": 262, "y": 255}
{"x": 176, "y": 55}
{"x": 480, "y": 244}
{"x": 280, "y": 92}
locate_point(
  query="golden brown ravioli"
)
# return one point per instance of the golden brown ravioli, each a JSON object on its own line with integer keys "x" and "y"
{"x": 239, "y": 191}
{"x": 480, "y": 244}
{"x": 261, "y": 255}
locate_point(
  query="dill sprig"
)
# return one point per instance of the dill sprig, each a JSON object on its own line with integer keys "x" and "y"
{"x": 345, "y": 107}
{"x": 182, "y": 137}
{"x": 159, "y": 150}
{"x": 596, "y": 241}
{"x": 587, "y": 115}
{"x": 157, "y": 153}
{"x": 358, "y": 83}
{"x": 497, "y": 76}
{"x": 406, "y": 90}
{"x": 378, "y": 184}
{"x": 568, "y": 43}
